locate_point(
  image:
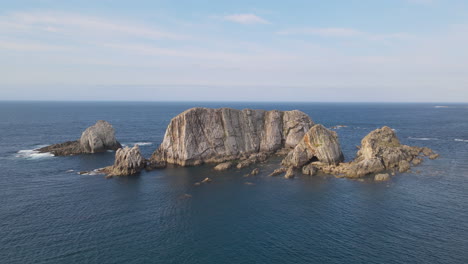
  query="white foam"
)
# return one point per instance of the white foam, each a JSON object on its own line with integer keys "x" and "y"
{"x": 93, "y": 172}
{"x": 461, "y": 140}
{"x": 32, "y": 154}
{"x": 144, "y": 143}
{"x": 138, "y": 143}
{"x": 441, "y": 106}
{"x": 423, "y": 138}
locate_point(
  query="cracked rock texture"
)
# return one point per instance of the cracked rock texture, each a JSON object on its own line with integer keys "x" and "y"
{"x": 318, "y": 143}
{"x": 128, "y": 161}
{"x": 202, "y": 135}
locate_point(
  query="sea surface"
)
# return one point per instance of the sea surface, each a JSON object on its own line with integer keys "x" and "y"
{"x": 51, "y": 214}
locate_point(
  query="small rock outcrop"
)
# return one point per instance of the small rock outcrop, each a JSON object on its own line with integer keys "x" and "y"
{"x": 380, "y": 151}
{"x": 278, "y": 171}
{"x": 128, "y": 161}
{"x": 318, "y": 144}
{"x": 204, "y": 135}
{"x": 289, "y": 173}
{"x": 224, "y": 166}
{"x": 309, "y": 169}
{"x": 382, "y": 177}
{"x": 97, "y": 138}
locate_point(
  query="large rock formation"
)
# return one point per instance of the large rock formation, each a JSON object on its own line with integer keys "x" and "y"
{"x": 318, "y": 144}
{"x": 97, "y": 138}
{"x": 380, "y": 151}
{"x": 128, "y": 161}
{"x": 201, "y": 135}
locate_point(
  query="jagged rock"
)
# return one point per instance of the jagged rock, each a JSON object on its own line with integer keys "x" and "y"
{"x": 97, "y": 138}
{"x": 224, "y": 166}
{"x": 427, "y": 151}
{"x": 128, "y": 161}
{"x": 309, "y": 169}
{"x": 289, "y": 173}
{"x": 318, "y": 143}
{"x": 417, "y": 161}
{"x": 382, "y": 177}
{"x": 403, "y": 166}
{"x": 380, "y": 151}
{"x": 255, "y": 172}
{"x": 202, "y": 135}
{"x": 433, "y": 156}
{"x": 253, "y": 159}
{"x": 278, "y": 171}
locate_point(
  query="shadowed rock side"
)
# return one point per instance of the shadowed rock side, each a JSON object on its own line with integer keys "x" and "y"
{"x": 380, "y": 151}
{"x": 318, "y": 143}
{"x": 97, "y": 138}
{"x": 202, "y": 135}
{"x": 128, "y": 161}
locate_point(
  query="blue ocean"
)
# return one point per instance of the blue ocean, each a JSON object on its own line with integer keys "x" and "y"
{"x": 51, "y": 214}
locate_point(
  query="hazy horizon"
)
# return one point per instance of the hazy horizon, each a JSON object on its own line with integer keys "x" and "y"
{"x": 262, "y": 51}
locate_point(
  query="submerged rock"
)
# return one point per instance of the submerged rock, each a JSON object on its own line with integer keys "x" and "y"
{"x": 382, "y": 177}
{"x": 255, "y": 171}
{"x": 97, "y": 138}
{"x": 203, "y": 135}
{"x": 318, "y": 143}
{"x": 128, "y": 161}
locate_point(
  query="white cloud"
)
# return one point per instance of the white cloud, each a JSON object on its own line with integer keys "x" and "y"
{"x": 335, "y": 32}
{"x": 324, "y": 32}
{"x": 72, "y": 24}
{"x": 246, "y": 19}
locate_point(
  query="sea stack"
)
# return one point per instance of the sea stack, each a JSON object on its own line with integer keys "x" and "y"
{"x": 204, "y": 135}
{"x": 128, "y": 161}
{"x": 97, "y": 138}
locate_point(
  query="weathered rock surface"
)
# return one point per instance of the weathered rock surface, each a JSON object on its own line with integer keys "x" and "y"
{"x": 309, "y": 169}
{"x": 97, "y": 138}
{"x": 289, "y": 173}
{"x": 202, "y": 135}
{"x": 128, "y": 161}
{"x": 278, "y": 171}
{"x": 224, "y": 166}
{"x": 319, "y": 144}
{"x": 380, "y": 151}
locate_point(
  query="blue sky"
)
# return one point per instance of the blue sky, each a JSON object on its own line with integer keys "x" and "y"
{"x": 348, "y": 50}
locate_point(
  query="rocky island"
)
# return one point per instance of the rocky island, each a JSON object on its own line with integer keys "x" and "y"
{"x": 237, "y": 139}
{"x": 204, "y": 135}
{"x": 97, "y": 138}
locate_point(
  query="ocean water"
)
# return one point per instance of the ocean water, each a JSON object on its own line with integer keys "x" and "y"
{"x": 50, "y": 214}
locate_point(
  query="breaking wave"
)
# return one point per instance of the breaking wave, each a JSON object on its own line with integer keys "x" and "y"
{"x": 425, "y": 139}
{"x": 461, "y": 140}
{"x": 32, "y": 154}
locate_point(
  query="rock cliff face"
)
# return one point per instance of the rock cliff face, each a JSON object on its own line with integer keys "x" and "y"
{"x": 97, "y": 138}
{"x": 318, "y": 143}
{"x": 128, "y": 161}
{"x": 201, "y": 135}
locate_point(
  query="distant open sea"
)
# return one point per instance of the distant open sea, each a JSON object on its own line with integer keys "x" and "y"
{"x": 50, "y": 214}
